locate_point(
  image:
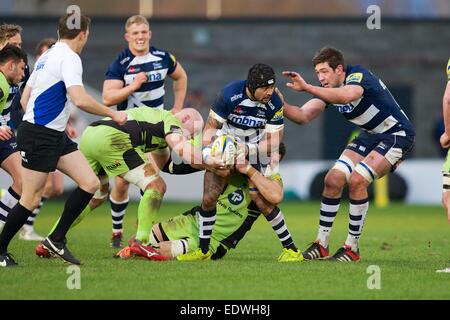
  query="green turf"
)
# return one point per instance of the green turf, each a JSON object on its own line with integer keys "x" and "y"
{"x": 407, "y": 243}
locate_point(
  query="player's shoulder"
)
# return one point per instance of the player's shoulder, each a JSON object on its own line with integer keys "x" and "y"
{"x": 124, "y": 57}
{"x": 358, "y": 74}
{"x": 234, "y": 91}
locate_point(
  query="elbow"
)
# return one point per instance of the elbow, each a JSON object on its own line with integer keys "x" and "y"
{"x": 275, "y": 198}
{"x": 107, "y": 101}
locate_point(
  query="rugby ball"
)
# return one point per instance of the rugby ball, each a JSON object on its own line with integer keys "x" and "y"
{"x": 224, "y": 148}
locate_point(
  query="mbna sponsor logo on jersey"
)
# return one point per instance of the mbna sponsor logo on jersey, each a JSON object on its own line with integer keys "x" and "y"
{"x": 154, "y": 76}
{"x": 247, "y": 121}
{"x": 236, "y": 197}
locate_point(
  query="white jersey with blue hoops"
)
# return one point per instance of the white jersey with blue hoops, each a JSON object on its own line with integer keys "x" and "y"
{"x": 157, "y": 64}
{"x": 243, "y": 118}
{"x": 56, "y": 70}
{"x": 376, "y": 111}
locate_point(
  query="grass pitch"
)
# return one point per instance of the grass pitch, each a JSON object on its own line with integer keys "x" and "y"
{"x": 407, "y": 243}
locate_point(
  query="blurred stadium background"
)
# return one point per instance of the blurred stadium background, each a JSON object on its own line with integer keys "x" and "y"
{"x": 218, "y": 40}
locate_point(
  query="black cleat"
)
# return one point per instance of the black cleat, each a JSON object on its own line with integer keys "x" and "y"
{"x": 59, "y": 250}
{"x": 316, "y": 251}
{"x": 345, "y": 254}
{"x": 6, "y": 260}
{"x": 116, "y": 240}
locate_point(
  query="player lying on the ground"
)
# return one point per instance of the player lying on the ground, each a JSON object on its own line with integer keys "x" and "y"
{"x": 236, "y": 214}
{"x": 114, "y": 150}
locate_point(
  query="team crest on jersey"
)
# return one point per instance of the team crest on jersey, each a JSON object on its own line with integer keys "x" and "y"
{"x": 236, "y": 197}
{"x": 354, "y": 77}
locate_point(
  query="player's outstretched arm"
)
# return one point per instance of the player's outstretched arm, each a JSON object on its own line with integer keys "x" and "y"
{"x": 84, "y": 101}
{"x": 445, "y": 137}
{"x": 342, "y": 95}
{"x": 308, "y": 112}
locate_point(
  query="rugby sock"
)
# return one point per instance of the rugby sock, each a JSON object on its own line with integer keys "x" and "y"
{"x": 32, "y": 217}
{"x": 80, "y": 218}
{"x": 328, "y": 211}
{"x": 118, "y": 209}
{"x": 147, "y": 212}
{"x": 9, "y": 200}
{"x": 358, "y": 211}
{"x": 15, "y": 220}
{"x": 206, "y": 221}
{"x": 77, "y": 201}
{"x": 276, "y": 220}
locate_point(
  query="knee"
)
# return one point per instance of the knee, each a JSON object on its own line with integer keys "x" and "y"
{"x": 334, "y": 180}
{"x": 121, "y": 186}
{"x": 158, "y": 185}
{"x": 357, "y": 181}
{"x": 91, "y": 185}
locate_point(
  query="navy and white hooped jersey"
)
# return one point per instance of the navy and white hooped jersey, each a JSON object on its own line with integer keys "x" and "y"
{"x": 13, "y": 100}
{"x": 157, "y": 64}
{"x": 243, "y": 118}
{"x": 56, "y": 70}
{"x": 376, "y": 111}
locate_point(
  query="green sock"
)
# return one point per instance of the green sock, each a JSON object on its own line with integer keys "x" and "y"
{"x": 82, "y": 215}
{"x": 147, "y": 211}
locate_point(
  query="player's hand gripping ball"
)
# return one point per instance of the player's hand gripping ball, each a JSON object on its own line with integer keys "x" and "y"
{"x": 224, "y": 148}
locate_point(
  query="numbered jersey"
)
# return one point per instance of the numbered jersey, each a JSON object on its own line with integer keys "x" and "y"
{"x": 244, "y": 118}
{"x": 156, "y": 64}
{"x": 376, "y": 111}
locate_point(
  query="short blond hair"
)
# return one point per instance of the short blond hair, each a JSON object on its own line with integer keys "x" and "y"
{"x": 138, "y": 19}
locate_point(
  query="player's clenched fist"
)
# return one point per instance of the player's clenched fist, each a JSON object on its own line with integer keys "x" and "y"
{"x": 120, "y": 117}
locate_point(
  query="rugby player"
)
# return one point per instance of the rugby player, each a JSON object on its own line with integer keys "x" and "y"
{"x": 134, "y": 79}
{"x": 386, "y": 138}
{"x": 252, "y": 113}
{"x": 56, "y": 82}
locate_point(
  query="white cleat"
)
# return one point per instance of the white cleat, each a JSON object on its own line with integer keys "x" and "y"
{"x": 27, "y": 233}
{"x": 2, "y": 224}
{"x": 446, "y": 270}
